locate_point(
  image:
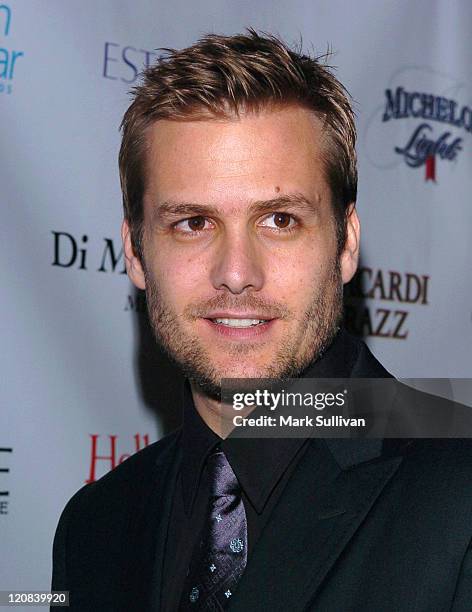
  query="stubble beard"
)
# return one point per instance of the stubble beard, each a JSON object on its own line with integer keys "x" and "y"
{"x": 315, "y": 332}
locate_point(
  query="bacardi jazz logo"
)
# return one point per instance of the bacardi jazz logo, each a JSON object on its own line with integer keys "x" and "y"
{"x": 428, "y": 141}
{"x": 378, "y": 302}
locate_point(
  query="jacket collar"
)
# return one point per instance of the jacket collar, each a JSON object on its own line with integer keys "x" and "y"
{"x": 344, "y": 356}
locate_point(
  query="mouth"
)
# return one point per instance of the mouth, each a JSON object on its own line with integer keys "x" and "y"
{"x": 247, "y": 327}
{"x": 239, "y": 323}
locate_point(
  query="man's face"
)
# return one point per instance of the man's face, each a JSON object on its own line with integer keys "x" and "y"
{"x": 240, "y": 267}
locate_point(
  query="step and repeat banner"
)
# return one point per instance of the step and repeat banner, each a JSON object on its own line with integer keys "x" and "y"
{"x": 83, "y": 386}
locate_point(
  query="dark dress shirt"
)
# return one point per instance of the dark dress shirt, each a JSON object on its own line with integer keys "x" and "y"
{"x": 262, "y": 467}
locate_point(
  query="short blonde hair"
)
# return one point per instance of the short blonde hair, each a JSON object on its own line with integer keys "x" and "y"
{"x": 224, "y": 75}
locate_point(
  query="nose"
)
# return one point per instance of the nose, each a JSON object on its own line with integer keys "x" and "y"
{"x": 237, "y": 265}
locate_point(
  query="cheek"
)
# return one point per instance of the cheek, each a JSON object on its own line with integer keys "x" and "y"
{"x": 287, "y": 284}
{"x": 181, "y": 278}
{"x": 297, "y": 272}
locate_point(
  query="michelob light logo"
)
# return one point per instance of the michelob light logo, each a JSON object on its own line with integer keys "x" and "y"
{"x": 9, "y": 58}
{"x": 438, "y": 134}
{"x": 422, "y": 121}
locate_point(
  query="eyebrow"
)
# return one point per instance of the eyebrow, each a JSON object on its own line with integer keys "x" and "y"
{"x": 170, "y": 208}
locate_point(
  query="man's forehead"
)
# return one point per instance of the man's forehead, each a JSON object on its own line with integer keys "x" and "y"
{"x": 237, "y": 139}
{"x": 235, "y": 166}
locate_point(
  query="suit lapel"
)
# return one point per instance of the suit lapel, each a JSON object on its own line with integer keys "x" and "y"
{"x": 144, "y": 541}
{"x": 329, "y": 495}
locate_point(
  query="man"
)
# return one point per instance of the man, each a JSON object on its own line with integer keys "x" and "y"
{"x": 238, "y": 171}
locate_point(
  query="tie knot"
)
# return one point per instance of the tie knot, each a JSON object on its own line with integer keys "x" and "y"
{"x": 223, "y": 481}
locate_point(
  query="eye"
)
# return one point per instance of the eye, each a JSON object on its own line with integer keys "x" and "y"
{"x": 192, "y": 225}
{"x": 279, "y": 221}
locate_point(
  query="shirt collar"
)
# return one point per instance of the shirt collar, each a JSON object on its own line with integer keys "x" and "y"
{"x": 197, "y": 442}
{"x": 259, "y": 463}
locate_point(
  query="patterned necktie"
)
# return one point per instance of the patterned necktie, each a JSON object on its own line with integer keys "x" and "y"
{"x": 220, "y": 558}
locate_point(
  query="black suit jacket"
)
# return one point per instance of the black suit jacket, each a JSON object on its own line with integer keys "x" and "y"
{"x": 362, "y": 526}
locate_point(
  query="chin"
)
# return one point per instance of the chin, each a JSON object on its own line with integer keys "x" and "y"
{"x": 243, "y": 371}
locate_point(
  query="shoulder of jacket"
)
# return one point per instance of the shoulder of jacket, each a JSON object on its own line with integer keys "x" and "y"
{"x": 454, "y": 451}
{"x": 126, "y": 474}
{"x": 441, "y": 464}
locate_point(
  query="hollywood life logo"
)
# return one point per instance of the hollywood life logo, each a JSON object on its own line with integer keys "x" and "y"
{"x": 110, "y": 458}
{"x": 428, "y": 141}
{"x": 8, "y": 57}
{"x": 124, "y": 63}
{"x": 397, "y": 292}
{"x": 4, "y": 492}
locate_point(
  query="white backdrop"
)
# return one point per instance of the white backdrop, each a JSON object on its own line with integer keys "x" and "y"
{"x": 81, "y": 387}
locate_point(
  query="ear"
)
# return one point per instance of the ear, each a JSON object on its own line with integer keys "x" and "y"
{"x": 134, "y": 267}
{"x": 350, "y": 253}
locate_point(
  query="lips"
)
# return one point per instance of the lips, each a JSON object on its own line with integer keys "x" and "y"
{"x": 238, "y": 320}
{"x": 232, "y": 322}
{"x": 237, "y": 314}
{"x": 240, "y": 329}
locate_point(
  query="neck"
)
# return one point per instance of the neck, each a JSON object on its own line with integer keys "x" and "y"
{"x": 218, "y": 416}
